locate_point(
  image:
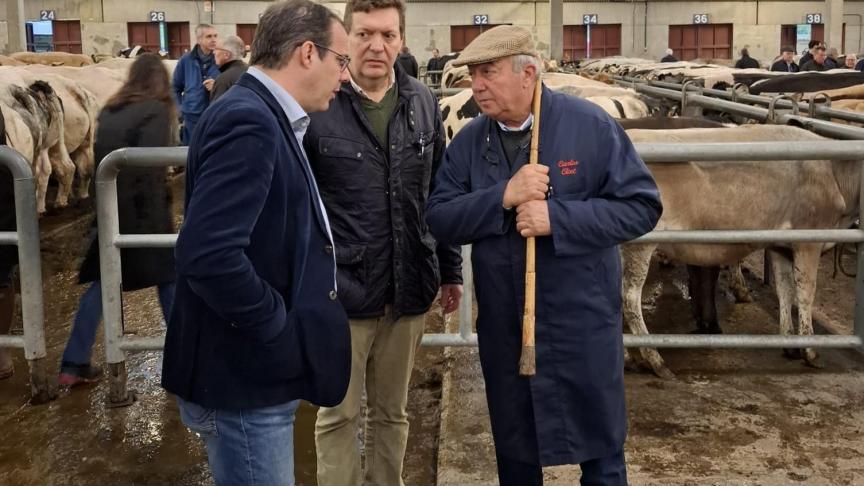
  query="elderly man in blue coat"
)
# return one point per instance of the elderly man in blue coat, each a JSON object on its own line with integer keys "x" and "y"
{"x": 589, "y": 193}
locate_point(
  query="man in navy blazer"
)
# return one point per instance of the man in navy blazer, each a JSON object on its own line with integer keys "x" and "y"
{"x": 256, "y": 324}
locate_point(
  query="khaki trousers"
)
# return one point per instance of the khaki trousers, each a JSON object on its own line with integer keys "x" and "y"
{"x": 382, "y": 359}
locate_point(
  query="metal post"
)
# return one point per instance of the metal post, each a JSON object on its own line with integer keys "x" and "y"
{"x": 858, "y": 324}
{"x": 42, "y": 380}
{"x": 107, "y": 218}
{"x": 466, "y": 306}
{"x": 110, "y": 243}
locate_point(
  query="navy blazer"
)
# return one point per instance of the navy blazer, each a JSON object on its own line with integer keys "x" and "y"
{"x": 256, "y": 321}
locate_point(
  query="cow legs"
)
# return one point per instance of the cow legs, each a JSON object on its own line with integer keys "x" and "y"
{"x": 83, "y": 158}
{"x": 65, "y": 173}
{"x": 782, "y": 276}
{"x": 42, "y": 166}
{"x": 635, "y": 261}
{"x": 738, "y": 285}
{"x": 806, "y": 269}
{"x": 702, "y": 282}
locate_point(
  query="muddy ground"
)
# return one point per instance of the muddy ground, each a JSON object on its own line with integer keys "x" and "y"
{"x": 77, "y": 440}
{"x": 730, "y": 417}
{"x": 748, "y": 417}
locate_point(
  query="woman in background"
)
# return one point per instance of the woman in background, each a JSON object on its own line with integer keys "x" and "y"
{"x": 140, "y": 114}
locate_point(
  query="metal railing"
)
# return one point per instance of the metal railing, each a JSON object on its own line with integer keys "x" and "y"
{"x": 814, "y": 107}
{"x": 110, "y": 241}
{"x": 690, "y": 94}
{"x": 26, "y": 238}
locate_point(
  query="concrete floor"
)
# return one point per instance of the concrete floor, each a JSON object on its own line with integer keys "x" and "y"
{"x": 730, "y": 417}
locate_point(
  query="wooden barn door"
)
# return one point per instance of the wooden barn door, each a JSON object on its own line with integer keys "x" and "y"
{"x": 707, "y": 41}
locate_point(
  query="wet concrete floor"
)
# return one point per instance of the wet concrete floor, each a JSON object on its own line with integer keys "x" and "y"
{"x": 77, "y": 440}
{"x": 730, "y": 417}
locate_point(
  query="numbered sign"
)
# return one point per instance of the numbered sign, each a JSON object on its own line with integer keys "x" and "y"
{"x": 157, "y": 16}
{"x": 589, "y": 19}
{"x": 481, "y": 19}
{"x": 700, "y": 18}
{"x": 47, "y": 15}
{"x": 814, "y": 18}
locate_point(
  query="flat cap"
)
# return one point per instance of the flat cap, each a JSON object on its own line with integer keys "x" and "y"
{"x": 496, "y": 43}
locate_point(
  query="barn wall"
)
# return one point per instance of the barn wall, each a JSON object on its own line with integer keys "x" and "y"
{"x": 756, "y": 26}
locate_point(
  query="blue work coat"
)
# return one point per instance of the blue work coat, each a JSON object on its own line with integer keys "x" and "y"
{"x": 573, "y": 410}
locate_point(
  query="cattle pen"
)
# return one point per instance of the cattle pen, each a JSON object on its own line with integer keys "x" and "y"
{"x": 120, "y": 340}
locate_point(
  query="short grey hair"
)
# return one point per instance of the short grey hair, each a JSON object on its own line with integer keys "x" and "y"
{"x": 200, "y": 28}
{"x": 521, "y": 61}
{"x": 285, "y": 26}
{"x": 234, "y": 45}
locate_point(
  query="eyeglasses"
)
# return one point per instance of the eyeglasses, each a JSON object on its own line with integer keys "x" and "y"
{"x": 343, "y": 59}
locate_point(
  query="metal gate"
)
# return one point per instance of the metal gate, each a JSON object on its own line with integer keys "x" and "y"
{"x": 110, "y": 242}
{"x": 26, "y": 237}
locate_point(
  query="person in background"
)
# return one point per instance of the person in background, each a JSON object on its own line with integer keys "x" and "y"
{"x": 808, "y": 56}
{"x": 746, "y": 62}
{"x": 850, "y": 61}
{"x": 831, "y": 58}
{"x": 859, "y": 66}
{"x": 140, "y": 114}
{"x": 819, "y": 61}
{"x": 193, "y": 69}
{"x": 408, "y": 63}
{"x": 229, "y": 57}
{"x": 434, "y": 64}
{"x": 669, "y": 57}
{"x": 786, "y": 63}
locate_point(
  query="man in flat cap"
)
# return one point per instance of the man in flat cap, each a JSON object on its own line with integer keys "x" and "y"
{"x": 589, "y": 193}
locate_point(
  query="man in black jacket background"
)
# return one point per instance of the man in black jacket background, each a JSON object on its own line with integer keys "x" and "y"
{"x": 229, "y": 57}
{"x": 786, "y": 63}
{"x": 746, "y": 62}
{"x": 408, "y": 63}
{"x": 375, "y": 152}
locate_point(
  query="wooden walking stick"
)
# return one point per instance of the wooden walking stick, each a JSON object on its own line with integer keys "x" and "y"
{"x": 528, "y": 360}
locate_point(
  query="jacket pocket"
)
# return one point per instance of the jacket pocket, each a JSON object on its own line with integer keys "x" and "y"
{"x": 351, "y": 274}
{"x": 274, "y": 361}
{"x": 198, "y": 419}
{"x": 430, "y": 273}
{"x": 341, "y": 148}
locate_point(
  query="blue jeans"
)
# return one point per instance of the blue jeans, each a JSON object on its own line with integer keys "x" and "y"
{"x": 246, "y": 447}
{"x": 80, "y": 344}
{"x": 189, "y": 122}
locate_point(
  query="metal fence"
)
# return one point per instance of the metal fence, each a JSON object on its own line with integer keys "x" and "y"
{"x": 110, "y": 241}
{"x": 691, "y": 94}
{"x": 26, "y": 238}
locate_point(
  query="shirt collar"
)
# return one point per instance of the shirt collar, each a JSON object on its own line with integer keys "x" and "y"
{"x": 297, "y": 116}
{"x": 360, "y": 91}
{"x": 527, "y": 123}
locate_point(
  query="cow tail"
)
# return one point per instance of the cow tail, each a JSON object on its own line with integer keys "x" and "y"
{"x": 620, "y": 108}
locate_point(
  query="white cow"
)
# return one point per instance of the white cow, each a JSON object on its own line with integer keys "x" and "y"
{"x": 739, "y": 196}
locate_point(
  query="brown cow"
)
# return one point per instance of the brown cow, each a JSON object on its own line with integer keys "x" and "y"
{"x": 744, "y": 195}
